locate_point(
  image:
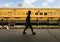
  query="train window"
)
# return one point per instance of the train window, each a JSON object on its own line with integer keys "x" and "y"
{"x": 36, "y": 13}
{"x": 45, "y": 13}
{"x": 10, "y": 13}
{"x": 41, "y": 13}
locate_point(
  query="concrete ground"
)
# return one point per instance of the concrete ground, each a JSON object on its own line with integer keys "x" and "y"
{"x": 42, "y": 35}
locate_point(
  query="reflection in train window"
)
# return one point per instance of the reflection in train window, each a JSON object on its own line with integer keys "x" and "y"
{"x": 36, "y": 13}
{"x": 41, "y": 13}
{"x": 45, "y": 13}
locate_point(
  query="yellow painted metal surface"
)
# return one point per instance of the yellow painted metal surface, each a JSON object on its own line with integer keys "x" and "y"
{"x": 36, "y": 13}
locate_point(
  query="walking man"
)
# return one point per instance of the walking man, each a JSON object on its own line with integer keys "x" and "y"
{"x": 28, "y": 24}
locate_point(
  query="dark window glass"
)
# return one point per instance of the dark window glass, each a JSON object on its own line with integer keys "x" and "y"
{"x": 36, "y": 13}
{"x": 45, "y": 13}
{"x": 41, "y": 13}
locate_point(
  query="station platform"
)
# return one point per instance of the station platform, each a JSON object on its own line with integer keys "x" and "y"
{"x": 42, "y": 35}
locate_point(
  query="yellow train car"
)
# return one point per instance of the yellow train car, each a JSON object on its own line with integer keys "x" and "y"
{"x": 38, "y": 15}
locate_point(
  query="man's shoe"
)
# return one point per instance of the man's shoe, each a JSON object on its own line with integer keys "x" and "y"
{"x": 34, "y": 33}
{"x": 24, "y": 32}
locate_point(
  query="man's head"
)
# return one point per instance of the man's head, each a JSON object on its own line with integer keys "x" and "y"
{"x": 29, "y": 12}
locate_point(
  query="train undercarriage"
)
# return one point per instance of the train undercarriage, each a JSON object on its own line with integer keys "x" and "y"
{"x": 33, "y": 22}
